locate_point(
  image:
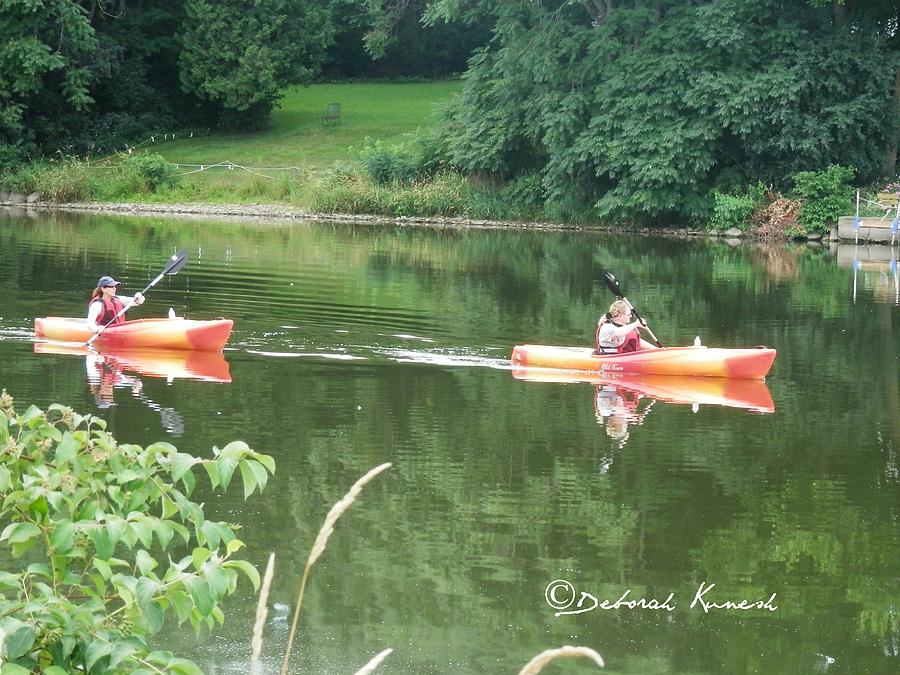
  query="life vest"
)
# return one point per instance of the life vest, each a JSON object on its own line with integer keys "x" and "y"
{"x": 111, "y": 307}
{"x": 632, "y": 342}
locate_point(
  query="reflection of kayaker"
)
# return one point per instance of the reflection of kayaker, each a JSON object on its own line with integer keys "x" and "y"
{"x": 617, "y": 408}
{"x": 104, "y": 375}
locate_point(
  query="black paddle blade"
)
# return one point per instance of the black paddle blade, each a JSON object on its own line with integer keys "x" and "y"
{"x": 612, "y": 284}
{"x": 176, "y": 262}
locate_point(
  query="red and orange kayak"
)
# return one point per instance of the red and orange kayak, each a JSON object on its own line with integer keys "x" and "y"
{"x": 729, "y": 392}
{"x": 172, "y": 364}
{"x": 753, "y": 364}
{"x": 140, "y": 334}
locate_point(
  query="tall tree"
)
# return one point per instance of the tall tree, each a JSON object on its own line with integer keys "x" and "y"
{"x": 46, "y": 55}
{"x": 635, "y": 109}
{"x": 237, "y": 56}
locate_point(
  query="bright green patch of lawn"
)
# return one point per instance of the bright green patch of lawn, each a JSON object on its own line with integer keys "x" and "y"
{"x": 297, "y": 136}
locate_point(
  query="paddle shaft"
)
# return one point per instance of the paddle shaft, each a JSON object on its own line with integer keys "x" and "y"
{"x": 176, "y": 262}
{"x": 613, "y": 286}
{"x": 641, "y": 319}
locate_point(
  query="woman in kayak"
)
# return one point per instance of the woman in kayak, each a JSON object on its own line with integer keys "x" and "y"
{"x": 105, "y": 306}
{"x": 616, "y": 335}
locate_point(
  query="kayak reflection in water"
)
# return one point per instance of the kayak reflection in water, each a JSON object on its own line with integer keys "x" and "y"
{"x": 105, "y": 307}
{"x": 617, "y": 409}
{"x": 616, "y": 335}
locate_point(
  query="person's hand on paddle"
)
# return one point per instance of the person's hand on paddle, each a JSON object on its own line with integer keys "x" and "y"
{"x": 138, "y": 298}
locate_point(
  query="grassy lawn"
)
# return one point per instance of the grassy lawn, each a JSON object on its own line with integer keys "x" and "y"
{"x": 296, "y": 135}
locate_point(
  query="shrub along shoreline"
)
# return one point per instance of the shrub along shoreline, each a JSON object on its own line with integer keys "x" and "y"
{"x": 390, "y": 183}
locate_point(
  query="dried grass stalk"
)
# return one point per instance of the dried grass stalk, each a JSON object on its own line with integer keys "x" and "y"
{"x": 370, "y": 667}
{"x": 318, "y": 548}
{"x": 262, "y": 611}
{"x": 534, "y": 666}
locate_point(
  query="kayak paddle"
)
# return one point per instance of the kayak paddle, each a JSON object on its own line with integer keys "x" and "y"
{"x": 613, "y": 286}
{"x": 173, "y": 265}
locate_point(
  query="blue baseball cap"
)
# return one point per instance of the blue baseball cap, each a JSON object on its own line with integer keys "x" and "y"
{"x": 107, "y": 281}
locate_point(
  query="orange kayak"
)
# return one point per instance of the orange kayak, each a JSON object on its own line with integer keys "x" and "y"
{"x": 751, "y": 364}
{"x": 140, "y": 334}
{"x": 171, "y": 364}
{"x": 730, "y": 392}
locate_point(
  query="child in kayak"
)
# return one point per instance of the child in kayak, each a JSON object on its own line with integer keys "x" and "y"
{"x": 615, "y": 335}
{"x": 104, "y": 304}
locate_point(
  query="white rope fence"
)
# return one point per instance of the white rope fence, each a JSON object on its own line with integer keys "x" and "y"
{"x": 193, "y": 168}
{"x": 256, "y": 170}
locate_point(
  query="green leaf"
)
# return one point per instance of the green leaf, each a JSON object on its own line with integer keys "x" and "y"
{"x": 120, "y": 652}
{"x": 96, "y": 650}
{"x": 164, "y": 534}
{"x": 266, "y": 460}
{"x": 233, "y": 546}
{"x": 40, "y": 569}
{"x": 5, "y": 479}
{"x": 169, "y": 508}
{"x": 66, "y": 449}
{"x": 226, "y": 465}
{"x": 182, "y": 464}
{"x": 184, "y": 667}
{"x": 54, "y": 670}
{"x": 19, "y": 637}
{"x": 182, "y": 604}
{"x": 17, "y": 533}
{"x": 104, "y": 568}
{"x": 32, "y": 413}
{"x": 144, "y": 532}
{"x": 236, "y": 449}
{"x": 217, "y": 578}
{"x": 144, "y": 592}
{"x": 248, "y": 476}
{"x": 260, "y": 472}
{"x": 190, "y": 482}
{"x": 213, "y": 472}
{"x": 103, "y": 543}
{"x": 200, "y": 556}
{"x": 201, "y": 595}
{"x": 8, "y": 580}
{"x": 13, "y": 669}
{"x": 63, "y": 537}
{"x": 154, "y": 616}
{"x": 247, "y": 569}
{"x": 145, "y": 562}
{"x": 213, "y": 533}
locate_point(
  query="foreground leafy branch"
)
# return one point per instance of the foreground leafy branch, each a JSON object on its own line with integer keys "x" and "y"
{"x": 110, "y": 543}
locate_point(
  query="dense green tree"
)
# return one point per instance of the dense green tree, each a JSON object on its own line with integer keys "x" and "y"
{"x": 636, "y": 109}
{"x": 90, "y": 76}
{"x": 374, "y": 39}
{"x": 48, "y": 59}
{"x": 237, "y": 56}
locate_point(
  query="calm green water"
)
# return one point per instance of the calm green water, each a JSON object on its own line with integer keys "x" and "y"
{"x": 359, "y": 345}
